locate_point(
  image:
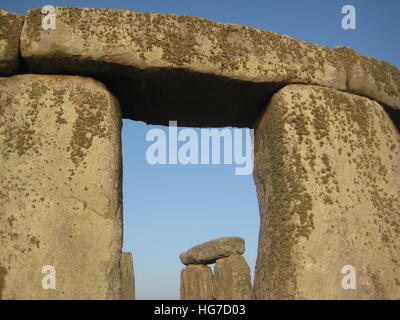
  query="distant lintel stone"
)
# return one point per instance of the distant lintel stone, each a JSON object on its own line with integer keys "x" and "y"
{"x": 208, "y": 252}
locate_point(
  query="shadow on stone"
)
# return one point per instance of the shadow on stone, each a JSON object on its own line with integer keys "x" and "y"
{"x": 394, "y": 116}
{"x": 156, "y": 95}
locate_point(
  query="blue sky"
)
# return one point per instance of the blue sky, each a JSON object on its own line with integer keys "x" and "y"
{"x": 169, "y": 208}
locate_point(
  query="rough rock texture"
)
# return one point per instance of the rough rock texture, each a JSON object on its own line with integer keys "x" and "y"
{"x": 327, "y": 167}
{"x": 371, "y": 77}
{"x": 60, "y": 185}
{"x": 128, "y": 276}
{"x": 232, "y": 279}
{"x": 326, "y": 162}
{"x": 153, "y": 40}
{"x": 194, "y": 70}
{"x": 10, "y": 31}
{"x": 196, "y": 283}
{"x": 208, "y": 252}
{"x": 166, "y": 67}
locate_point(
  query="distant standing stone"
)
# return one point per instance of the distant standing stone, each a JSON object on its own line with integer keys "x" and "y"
{"x": 232, "y": 279}
{"x": 128, "y": 277}
{"x": 196, "y": 283}
{"x": 208, "y": 252}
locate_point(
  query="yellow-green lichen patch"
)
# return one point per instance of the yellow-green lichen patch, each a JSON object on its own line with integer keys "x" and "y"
{"x": 91, "y": 109}
{"x": 384, "y": 75}
{"x": 20, "y": 133}
{"x": 175, "y": 35}
{"x": 33, "y": 27}
{"x": 299, "y": 122}
{"x": 180, "y": 38}
{"x": 378, "y": 285}
{"x": 35, "y": 241}
{"x": 347, "y": 57}
{"x": 288, "y": 206}
{"x": 58, "y": 98}
{"x": 320, "y": 118}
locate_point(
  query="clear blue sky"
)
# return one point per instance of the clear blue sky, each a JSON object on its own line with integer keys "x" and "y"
{"x": 169, "y": 208}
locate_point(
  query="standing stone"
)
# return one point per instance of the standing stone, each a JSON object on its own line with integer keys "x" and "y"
{"x": 232, "y": 279}
{"x": 196, "y": 283}
{"x": 128, "y": 276}
{"x": 327, "y": 168}
{"x": 208, "y": 252}
{"x": 10, "y": 32}
{"x": 60, "y": 188}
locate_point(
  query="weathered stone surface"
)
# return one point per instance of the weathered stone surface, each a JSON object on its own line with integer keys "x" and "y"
{"x": 128, "y": 276}
{"x": 152, "y": 40}
{"x": 327, "y": 167}
{"x": 191, "y": 69}
{"x": 164, "y": 66}
{"x": 208, "y": 252}
{"x": 371, "y": 77}
{"x": 10, "y": 31}
{"x": 196, "y": 283}
{"x": 232, "y": 279}
{"x": 60, "y": 188}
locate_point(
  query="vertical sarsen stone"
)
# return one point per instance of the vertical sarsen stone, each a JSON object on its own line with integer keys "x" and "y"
{"x": 232, "y": 279}
{"x": 128, "y": 276}
{"x": 196, "y": 283}
{"x": 60, "y": 187}
{"x": 327, "y": 167}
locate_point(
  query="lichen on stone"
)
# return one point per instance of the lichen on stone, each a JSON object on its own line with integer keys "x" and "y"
{"x": 10, "y": 31}
{"x": 91, "y": 109}
{"x": 385, "y": 76}
{"x": 288, "y": 212}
